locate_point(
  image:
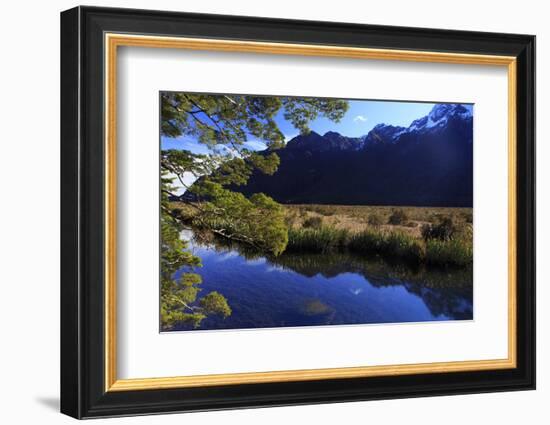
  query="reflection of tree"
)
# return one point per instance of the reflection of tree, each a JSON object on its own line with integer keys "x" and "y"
{"x": 178, "y": 297}
{"x": 445, "y": 291}
{"x": 378, "y": 272}
{"x": 222, "y": 124}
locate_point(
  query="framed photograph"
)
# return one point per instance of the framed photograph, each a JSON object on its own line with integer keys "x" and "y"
{"x": 261, "y": 212}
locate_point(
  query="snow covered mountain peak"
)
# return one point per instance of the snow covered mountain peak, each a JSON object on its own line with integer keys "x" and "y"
{"x": 438, "y": 118}
{"x": 445, "y": 110}
{"x": 440, "y": 115}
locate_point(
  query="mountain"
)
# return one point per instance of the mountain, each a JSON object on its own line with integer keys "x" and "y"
{"x": 429, "y": 163}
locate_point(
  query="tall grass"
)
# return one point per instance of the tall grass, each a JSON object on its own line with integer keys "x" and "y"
{"x": 392, "y": 245}
{"x": 443, "y": 236}
{"x": 320, "y": 240}
{"x": 453, "y": 252}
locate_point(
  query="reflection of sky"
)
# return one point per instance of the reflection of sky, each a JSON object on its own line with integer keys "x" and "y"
{"x": 264, "y": 294}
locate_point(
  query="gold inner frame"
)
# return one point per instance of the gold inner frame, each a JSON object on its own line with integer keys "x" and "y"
{"x": 113, "y": 41}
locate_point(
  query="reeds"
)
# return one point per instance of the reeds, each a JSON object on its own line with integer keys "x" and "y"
{"x": 453, "y": 252}
{"x": 390, "y": 245}
{"x": 320, "y": 240}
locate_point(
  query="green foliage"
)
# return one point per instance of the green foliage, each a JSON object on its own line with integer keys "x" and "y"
{"x": 299, "y": 111}
{"x": 268, "y": 164}
{"x": 215, "y": 303}
{"x": 223, "y": 124}
{"x": 220, "y": 119}
{"x": 398, "y": 216}
{"x": 178, "y": 298}
{"x": 230, "y": 119}
{"x": 258, "y": 220}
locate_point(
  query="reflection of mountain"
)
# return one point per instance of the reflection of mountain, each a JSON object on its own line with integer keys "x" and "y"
{"x": 430, "y": 163}
{"x": 445, "y": 292}
{"x": 451, "y": 302}
{"x": 377, "y": 271}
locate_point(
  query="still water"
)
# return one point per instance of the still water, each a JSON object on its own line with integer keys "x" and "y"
{"x": 323, "y": 289}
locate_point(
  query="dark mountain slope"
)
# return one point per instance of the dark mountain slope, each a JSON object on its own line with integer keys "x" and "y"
{"x": 429, "y": 163}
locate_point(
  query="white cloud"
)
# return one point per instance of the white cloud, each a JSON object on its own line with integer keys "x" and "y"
{"x": 360, "y": 118}
{"x": 289, "y": 137}
{"x": 188, "y": 179}
{"x": 255, "y": 145}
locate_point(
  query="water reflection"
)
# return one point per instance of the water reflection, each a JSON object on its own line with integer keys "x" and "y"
{"x": 445, "y": 292}
{"x": 322, "y": 289}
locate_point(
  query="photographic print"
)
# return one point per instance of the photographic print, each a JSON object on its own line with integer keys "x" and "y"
{"x": 199, "y": 207}
{"x": 281, "y": 211}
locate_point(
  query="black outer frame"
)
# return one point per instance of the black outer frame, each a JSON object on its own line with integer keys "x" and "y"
{"x": 82, "y": 207}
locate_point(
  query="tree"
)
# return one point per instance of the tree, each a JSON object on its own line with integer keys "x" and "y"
{"x": 223, "y": 124}
{"x": 178, "y": 296}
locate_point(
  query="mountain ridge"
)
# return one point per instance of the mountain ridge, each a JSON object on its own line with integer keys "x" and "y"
{"x": 429, "y": 163}
{"x": 437, "y": 117}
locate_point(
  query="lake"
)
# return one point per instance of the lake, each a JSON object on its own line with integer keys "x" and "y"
{"x": 327, "y": 289}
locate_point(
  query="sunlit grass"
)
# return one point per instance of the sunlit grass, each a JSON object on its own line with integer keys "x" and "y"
{"x": 411, "y": 234}
{"x": 320, "y": 240}
{"x": 391, "y": 245}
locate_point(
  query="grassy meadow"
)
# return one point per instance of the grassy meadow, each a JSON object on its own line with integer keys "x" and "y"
{"x": 436, "y": 236}
{"x": 417, "y": 235}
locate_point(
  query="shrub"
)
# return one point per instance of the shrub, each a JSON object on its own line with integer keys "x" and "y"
{"x": 444, "y": 230}
{"x": 375, "y": 220}
{"x": 313, "y": 222}
{"x": 398, "y": 217}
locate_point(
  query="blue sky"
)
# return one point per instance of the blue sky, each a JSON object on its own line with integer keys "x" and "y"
{"x": 361, "y": 117}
